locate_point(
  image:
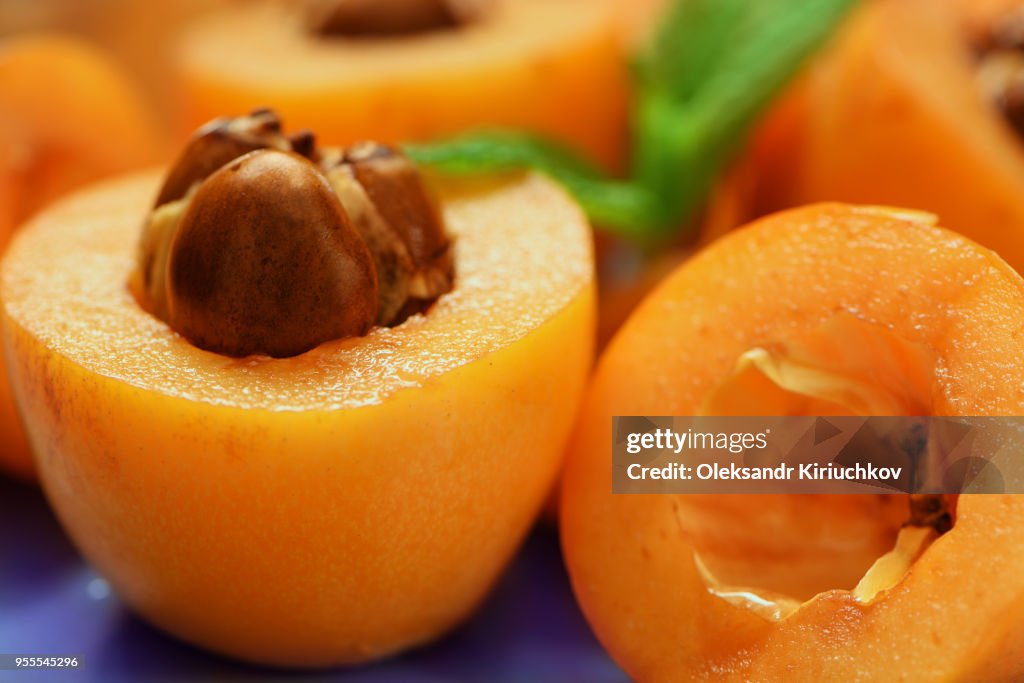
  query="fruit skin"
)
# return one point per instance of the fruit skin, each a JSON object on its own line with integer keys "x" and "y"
{"x": 631, "y": 557}
{"x": 553, "y": 68}
{"x": 892, "y": 114}
{"x": 68, "y": 116}
{"x": 330, "y": 508}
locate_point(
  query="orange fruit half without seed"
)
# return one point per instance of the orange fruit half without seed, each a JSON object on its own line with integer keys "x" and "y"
{"x": 889, "y": 315}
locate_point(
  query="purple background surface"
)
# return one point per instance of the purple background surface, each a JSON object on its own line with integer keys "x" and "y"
{"x": 52, "y": 603}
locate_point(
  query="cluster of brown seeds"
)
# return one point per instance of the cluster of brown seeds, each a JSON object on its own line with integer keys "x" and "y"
{"x": 264, "y": 243}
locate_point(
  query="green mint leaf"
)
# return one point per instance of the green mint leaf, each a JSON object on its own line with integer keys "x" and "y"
{"x": 709, "y": 72}
{"x": 689, "y": 123}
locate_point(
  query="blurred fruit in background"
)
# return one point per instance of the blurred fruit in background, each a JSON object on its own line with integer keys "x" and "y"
{"x": 71, "y": 117}
{"x": 549, "y": 67}
{"x": 924, "y": 118}
{"x": 68, "y": 116}
{"x": 137, "y": 34}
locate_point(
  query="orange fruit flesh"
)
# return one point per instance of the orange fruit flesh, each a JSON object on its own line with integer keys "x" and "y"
{"x": 931, "y": 305}
{"x": 893, "y": 113}
{"x": 334, "y": 507}
{"x": 67, "y": 116}
{"x": 73, "y": 115}
{"x": 550, "y": 67}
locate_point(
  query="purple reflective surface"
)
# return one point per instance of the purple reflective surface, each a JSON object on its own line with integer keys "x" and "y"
{"x": 52, "y": 603}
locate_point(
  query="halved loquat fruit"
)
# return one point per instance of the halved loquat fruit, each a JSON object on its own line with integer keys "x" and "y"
{"x": 416, "y": 70}
{"x": 325, "y": 508}
{"x": 829, "y": 309}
